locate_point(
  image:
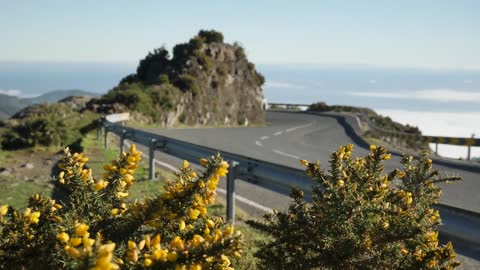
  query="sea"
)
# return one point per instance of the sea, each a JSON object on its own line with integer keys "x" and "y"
{"x": 441, "y": 102}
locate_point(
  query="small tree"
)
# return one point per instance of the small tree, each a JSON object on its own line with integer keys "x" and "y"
{"x": 211, "y": 36}
{"x": 360, "y": 218}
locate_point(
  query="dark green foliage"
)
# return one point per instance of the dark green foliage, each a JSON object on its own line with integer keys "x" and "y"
{"x": 153, "y": 65}
{"x": 260, "y": 78}
{"x": 131, "y": 78}
{"x": 52, "y": 124}
{"x": 211, "y": 36}
{"x": 240, "y": 52}
{"x": 163, "y": 79}
{"x": 188, "y": 83}
{"x": 204, "y": 61}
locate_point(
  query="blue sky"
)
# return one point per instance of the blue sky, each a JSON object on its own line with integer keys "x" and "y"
{"x": 406, "y": 33}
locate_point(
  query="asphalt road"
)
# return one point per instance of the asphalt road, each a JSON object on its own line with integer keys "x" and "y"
{"x": 290, "y": 137}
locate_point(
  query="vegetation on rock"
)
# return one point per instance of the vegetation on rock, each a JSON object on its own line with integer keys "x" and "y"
{"x": 205, "y": 82}
{"x": 58, "y": 124}
{"x": 379, "y": 121}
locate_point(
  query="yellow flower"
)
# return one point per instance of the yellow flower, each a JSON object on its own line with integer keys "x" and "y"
{"x": 172, "y": 256}
{"x": 340, "y": 183}
{"x": 63, "y": 237}
{"x": 133, "y": 148}
{"x": 197, "y": 240}
{"x": 387, "y": 156}
{"x": 156, "y": 240}
{"x": 210, "y": 223}
{"x": 32, "y": 217}
{"x": 186, "y": 164}
{"x": 3, "y": 209}
{"x": 193, "y": 214}
{"x": 203, "y": 161}
{"x": 88, "y": 242}
{"x": 373, "y": 147}
{"x": 114, "y": 212}
{"x": 432, "y": 263}
{"x": 304, "y": 162}
{"x": 182, "y": 225}
{"x": 177, "y": 243}
{"x": 132, "y": 245}
{"x": 195, "y": 267}
{"x": 122, "y": 194}
{"x": 76, "y": 241}
{"x": 147, "y": 262}
{"x": 81, "y": 229}
{"x": 385, "y": 225}
{"x": 101, "y": 184}
{"x": 75, "y": 253}
{"x": 159, "y": 255}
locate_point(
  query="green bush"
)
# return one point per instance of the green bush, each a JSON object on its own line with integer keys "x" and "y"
{"x": 359, "y": 219}
{"x": 49, "y": 125}
{"x": 153, "y": 65}
{"x": 211, "y": 36}
{"x": 260, "y": 78}
{"x": 188, "y": 83}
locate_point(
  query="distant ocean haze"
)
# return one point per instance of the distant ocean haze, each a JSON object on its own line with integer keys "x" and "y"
{"x": 438, "y": 101}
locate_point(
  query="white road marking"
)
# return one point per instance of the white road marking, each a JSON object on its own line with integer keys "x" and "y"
{"x": 258, "y": 143}
{"x": 278, "y": 133}
{"x": 298, "y": 127}
{"x": 264, "y": 137}
{"x": 285, "y": 154}
{"x": 220, "y": 190}
{"x": 247, "y": 201}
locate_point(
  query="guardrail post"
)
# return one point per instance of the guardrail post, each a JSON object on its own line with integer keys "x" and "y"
{"x": 468, "y": 153}
{"x": 151, "y": 159}
{"x": 232, "y": 174}
{"x": 122, "y": 140}
{"x": 105, "y": 133}
{"x": 436, "y": 149}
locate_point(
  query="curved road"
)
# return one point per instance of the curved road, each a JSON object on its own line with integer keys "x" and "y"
{"x": 293, "y": 136}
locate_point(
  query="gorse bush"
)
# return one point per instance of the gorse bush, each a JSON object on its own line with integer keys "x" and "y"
{"x": 360, "y": 218}
{"x": 98, "y": 228}
{"x": 47, "y": 125}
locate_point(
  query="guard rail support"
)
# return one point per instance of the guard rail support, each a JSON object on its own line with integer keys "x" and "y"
{"x": 231, "y": 176}
{"x": 151, "y": 158}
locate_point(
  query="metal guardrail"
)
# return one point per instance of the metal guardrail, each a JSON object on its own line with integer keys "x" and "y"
{"x": 461, "y": 141}
{"x": 456, "y": 223}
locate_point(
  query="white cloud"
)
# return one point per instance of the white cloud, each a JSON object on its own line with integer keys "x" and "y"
{"x": 11, "y": 92}
{"x": 270, "y": 84}
{"x": 440, "y": 95}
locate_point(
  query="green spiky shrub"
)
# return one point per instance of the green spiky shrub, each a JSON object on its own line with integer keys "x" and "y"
{"x": 360, "y": 218}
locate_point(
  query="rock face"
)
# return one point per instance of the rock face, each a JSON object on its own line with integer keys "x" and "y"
{"x": 229, "y": 91}
{"x": 206, "y": 82}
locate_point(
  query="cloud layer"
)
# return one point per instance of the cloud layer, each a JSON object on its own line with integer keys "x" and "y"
{"x": 439, "y": 95}
{"x": 11, "y": 92}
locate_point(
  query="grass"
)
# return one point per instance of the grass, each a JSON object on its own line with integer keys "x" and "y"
{"x": 16, "y": 193}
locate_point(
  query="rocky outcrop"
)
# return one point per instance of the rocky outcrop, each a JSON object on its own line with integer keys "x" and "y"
{"x": 206, "y": 82}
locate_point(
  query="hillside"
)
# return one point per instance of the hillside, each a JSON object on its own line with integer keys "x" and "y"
{"x": 9, "y": 105}
{"x": 205, "y": 82}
